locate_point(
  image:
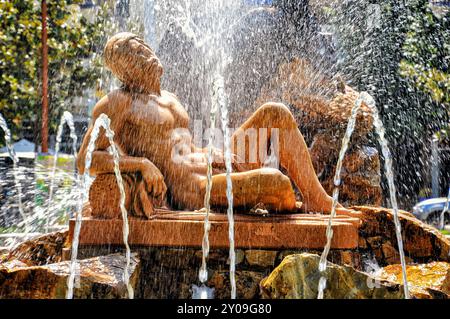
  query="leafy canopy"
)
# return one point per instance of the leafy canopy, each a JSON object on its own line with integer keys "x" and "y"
{"x": 72, "y": 39}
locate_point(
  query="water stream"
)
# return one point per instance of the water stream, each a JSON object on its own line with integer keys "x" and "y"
{"x": 208, "y": 35}
{"x": 337, "y": 183}
{"x": 369, "y": 101}
{"x": 220, "y": 97}
{"x": 66, "y": 118}
{"x": 102, "y": 122}
{"x": 15, "y": 159}
{"x": 203, "y": 274}
{"x": 379, "y": 128}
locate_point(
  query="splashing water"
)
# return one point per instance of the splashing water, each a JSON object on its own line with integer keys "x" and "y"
{"x": 221, "y": 100}
{"x": 66, "y": 118}
{"x": 337, "y": 182}
{"x": 102, "y": 121}
{"x": 203, "y": 273}
{"x": 392, "y": 191}
{"x": 15, "y": 159}
{"x": 435, "y": 167}
{"x": 202, "y": 292}
{"x": 367, "y": 99}
{"x": 211, "y": 41}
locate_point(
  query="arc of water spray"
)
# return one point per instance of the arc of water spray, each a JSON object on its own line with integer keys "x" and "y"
{"x": 15, "y": 159}
{"x": 363, "y": 97}
{"x": 203, "y": 273}
{"x": 102, "y": 121}
{"x": 221, "y": 100}
{"x": 214, "y": 56}
{"x": 66, "y": 118}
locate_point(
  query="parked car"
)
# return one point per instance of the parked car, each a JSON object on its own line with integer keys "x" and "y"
{"x": 430, "y": 210}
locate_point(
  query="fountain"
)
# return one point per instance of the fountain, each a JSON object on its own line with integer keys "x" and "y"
{"x": 165, "y": 217}
{"x": 218, "y": 191}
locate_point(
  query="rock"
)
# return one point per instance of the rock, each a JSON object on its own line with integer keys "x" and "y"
{"x": 297, "y": 277}
{"x": 247, "y": 284}
{"x": 262, "y": 258}
{"x": 214, "y": 256}
{"x": 348, "y": 258}
{"x": 360, "y": 175}
{"x": 391, "y": 254}
{"x": 375, "y": 242}
{"x": 240, "y": 255}
{"x": 175, "y": 258}
{"x": 284, "y": 253}
{"x": 100, "y": 277}
{"x": 421, "y": 242}
{"x": 322, "y": 113}
{"x": 42, "y": 250}
{"x": 424, "y": 280}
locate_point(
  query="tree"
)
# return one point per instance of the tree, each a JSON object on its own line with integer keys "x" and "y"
{"x": 427, "y": 54}
{"x": 72, "y": 39}
{"x": 371, "y": 41}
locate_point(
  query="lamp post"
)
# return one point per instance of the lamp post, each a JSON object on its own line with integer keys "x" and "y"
{"x": 44, "y": 128}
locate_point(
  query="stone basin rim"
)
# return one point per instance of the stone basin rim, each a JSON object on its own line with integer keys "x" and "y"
{"x": 185, "y": 229}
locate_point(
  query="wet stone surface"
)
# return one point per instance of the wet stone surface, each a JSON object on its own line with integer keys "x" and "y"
{"x": 171, "y": 272}
{"x": 99, "y": 277}
{"x": 297, "y": 277}
{"x": 422, "y": 243}
{"x": 426, "y": 281}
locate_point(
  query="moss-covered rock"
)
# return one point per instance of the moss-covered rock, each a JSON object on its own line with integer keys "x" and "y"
{"x": 297, "y": 277}
{"x": 428, "y": 281}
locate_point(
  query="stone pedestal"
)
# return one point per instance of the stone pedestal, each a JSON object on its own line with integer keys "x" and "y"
{"x": 185, "y": 229}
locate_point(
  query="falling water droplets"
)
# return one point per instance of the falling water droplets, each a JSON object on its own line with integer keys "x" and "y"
{"x": 101, "y": 122}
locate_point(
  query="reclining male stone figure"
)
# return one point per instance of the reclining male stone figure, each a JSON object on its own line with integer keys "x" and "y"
{"x": 144, "y": 118}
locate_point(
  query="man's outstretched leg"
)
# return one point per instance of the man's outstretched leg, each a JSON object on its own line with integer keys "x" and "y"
{"x": 292, "y": 149}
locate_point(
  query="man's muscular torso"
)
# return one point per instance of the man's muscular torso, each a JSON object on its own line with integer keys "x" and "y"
{"x": 144, "y": 127}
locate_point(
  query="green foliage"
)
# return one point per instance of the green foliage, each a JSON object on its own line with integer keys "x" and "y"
{"x": 427, "y": 56}
{"x": 427, "y": 53}
{"x": 71, "y": 40}
{"x": 371, "y": 48}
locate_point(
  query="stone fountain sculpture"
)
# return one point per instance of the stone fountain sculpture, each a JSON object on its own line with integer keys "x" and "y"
{"x": 166, "y": 241}
{"x": 157, "y": 153}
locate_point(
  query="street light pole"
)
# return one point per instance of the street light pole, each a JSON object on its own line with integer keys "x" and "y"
{"x": 44, "y": 129}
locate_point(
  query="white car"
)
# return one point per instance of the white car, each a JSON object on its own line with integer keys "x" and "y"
{"x": 430, "y": 211}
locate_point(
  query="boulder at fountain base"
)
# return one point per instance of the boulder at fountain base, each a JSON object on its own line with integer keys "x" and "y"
{"x": 297, "y": 277}
{"x": 42, "y": 250}
{"x": 100, "y": 277}
{"x": 422, "y": 243}
{"x": 426, "y": 281}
